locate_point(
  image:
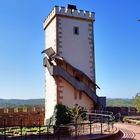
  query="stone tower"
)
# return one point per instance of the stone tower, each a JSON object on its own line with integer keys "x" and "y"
{"x": 69, "y": 59}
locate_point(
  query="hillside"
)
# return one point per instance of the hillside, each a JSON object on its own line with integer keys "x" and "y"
{"x": 120, "y": 102}
{"x": 41, "y": 102}
{"x": 20, "y": 103}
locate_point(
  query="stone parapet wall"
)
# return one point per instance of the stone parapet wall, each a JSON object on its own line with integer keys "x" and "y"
{"x": 29, "y": 116}
{"x": 125, "y": 111}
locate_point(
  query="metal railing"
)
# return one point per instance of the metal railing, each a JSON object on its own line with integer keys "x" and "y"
{"x": 99, "y": 122}
{"x": 53, "y": 132}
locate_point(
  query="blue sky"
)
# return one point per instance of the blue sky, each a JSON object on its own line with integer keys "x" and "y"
{"x": 117, "y": 46}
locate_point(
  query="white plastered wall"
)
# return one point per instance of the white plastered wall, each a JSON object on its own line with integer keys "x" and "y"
{"x": 51, "y": 94}
{"x": 50, "y": 35}
{"x": 50, "y": 83}
{"x": 69, "y": 97}
{"x": 76, "y": 48}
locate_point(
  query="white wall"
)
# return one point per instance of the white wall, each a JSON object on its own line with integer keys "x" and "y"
{"x": 76, "y": 48}
{"x": 69, "y": 99}
{"x": 50, "y": 35}
{"x": 50, "y": 84}
{"x": 50, "y": 94}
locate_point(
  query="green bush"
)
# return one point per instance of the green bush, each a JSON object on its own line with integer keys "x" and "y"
{"x": 129, "y": 120}
{"x": 137, "y": 102}
{"x": 77, "y": 113}
{"x": 138, "y": 122}
{"x": 61, "y": 116}
{"x": 125, "y": 119}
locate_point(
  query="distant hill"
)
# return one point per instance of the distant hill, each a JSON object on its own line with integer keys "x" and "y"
{"x": 20, "y": 102}
{"x": 120, "y": 102}
{"x": 41, "y": 102}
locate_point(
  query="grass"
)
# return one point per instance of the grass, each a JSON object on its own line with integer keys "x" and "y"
{"x": 25, "y": 130}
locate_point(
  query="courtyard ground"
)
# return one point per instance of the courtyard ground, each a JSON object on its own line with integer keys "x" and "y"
{"x": 130, "y": 131}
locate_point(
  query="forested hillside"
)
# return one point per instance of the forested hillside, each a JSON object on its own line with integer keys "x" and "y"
{"x": 20, "y": 103}
{"x": 120, "y": 102}
{"x": 41, "y": 102}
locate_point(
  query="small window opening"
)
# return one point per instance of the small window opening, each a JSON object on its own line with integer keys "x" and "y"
{"x": 76, "y": 30}
{"x": 75, "y": 95}
{"x": 80, "y": 95}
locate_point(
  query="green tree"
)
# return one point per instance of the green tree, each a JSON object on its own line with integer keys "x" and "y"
{"x": 61, "y": 115}
{"x": 137, "y": 102}
{"x": 77, "y": 113}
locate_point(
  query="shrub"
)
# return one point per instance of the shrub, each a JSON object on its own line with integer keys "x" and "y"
{"x": 125, "y": 119}
{"x": 138, "y": 122}
{"x": 61, "y": 116}
{"x": 137, "y": 102}
{"x": 77, "y": 113}
{"x": 132, "y": 121}
{"x": 129, "y": 120}
{"x": 64, "y": 115}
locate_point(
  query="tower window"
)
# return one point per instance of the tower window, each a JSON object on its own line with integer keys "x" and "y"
{"x": 80, "y": 95}
{"x": 76, "y": 30}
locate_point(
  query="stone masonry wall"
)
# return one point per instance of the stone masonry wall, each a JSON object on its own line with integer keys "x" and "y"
{"x": 25, "y": 116}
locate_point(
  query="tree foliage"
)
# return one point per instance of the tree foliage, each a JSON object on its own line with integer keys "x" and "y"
{"x": 137, "y": 102}
{"x": 120, "y": 102}
{"x": 64, "y": 115}
{"x": 77, "y": 113}
{"x": 61, "y": 115}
